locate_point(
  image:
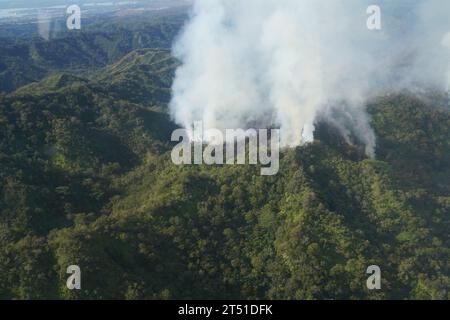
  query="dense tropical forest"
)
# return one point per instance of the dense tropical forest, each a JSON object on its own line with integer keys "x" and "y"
{"x": 86, "y": 178}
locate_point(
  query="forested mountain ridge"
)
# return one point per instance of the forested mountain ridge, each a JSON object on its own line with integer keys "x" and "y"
{"x": 86, "y": 178}
{"x": 82, "y": 52}
{"x": 143, "y": 76}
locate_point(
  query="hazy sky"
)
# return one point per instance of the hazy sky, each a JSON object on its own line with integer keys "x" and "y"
{"x": 5, "y": 4}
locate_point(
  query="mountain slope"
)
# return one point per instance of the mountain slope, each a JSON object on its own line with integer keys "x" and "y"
{"x": 143, "y": 76}
{"x": 86, "y": 178}
{"x": 85, "y": 51}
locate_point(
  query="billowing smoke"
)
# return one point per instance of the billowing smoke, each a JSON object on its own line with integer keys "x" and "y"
{"x": 292, "y": 63}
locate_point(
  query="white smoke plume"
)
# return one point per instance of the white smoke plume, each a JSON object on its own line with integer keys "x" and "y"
{"x": 291, "y": 63}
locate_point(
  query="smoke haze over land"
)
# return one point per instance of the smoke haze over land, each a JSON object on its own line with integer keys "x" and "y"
{"x": 293, "y": 63}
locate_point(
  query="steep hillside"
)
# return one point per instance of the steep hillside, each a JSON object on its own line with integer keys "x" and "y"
{"x": 143, "y": 76}
{"x": 82, "y": 52}
{"x": 86, "y": 178}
